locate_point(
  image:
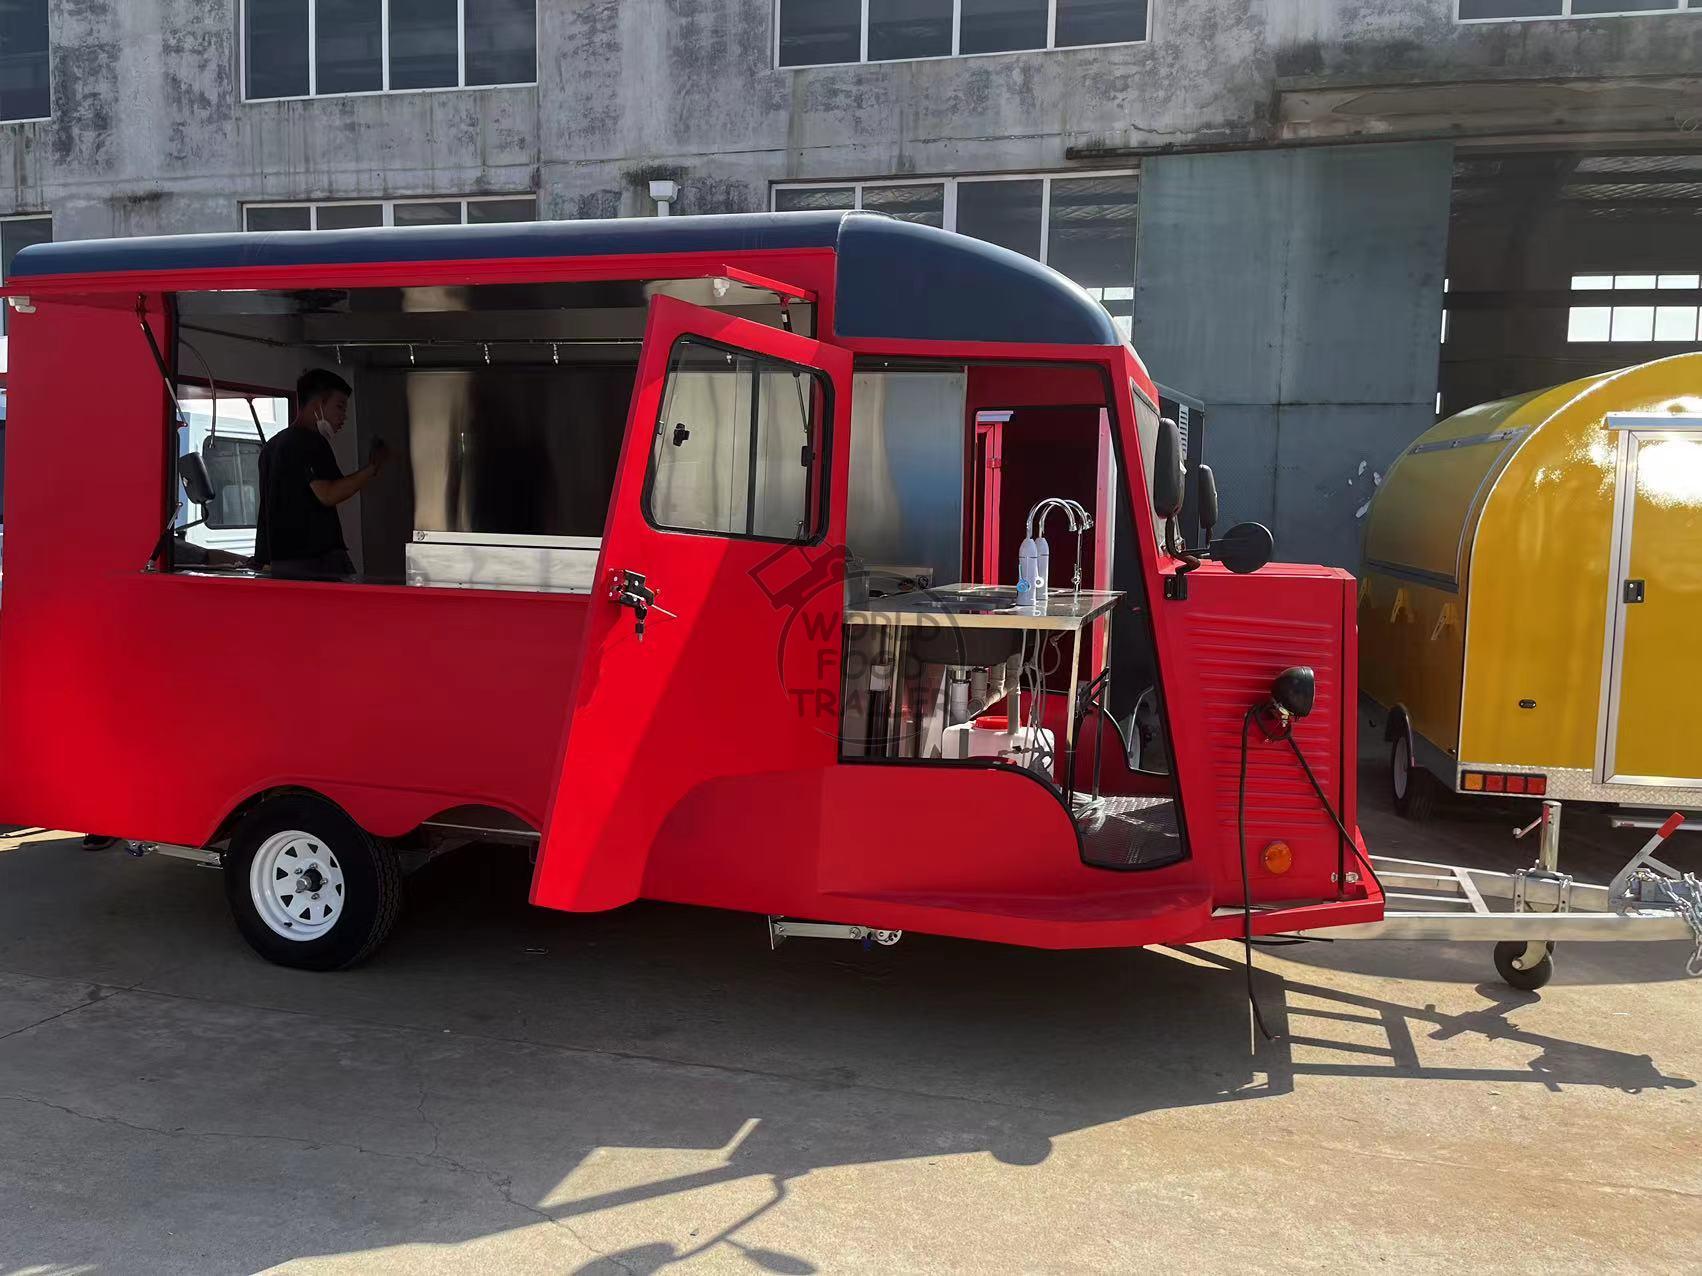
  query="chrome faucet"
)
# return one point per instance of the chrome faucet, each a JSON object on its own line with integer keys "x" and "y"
{"x": 1080, "y": 522}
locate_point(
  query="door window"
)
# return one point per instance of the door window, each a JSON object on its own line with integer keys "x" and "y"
{"x": 738, "y": 448}
{"x": 233, "y": 468}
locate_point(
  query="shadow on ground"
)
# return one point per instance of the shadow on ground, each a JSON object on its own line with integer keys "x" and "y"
{"x": 500, "y": 1066}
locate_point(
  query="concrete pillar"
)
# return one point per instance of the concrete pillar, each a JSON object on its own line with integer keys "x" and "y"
{"x": 1299, "y": 293}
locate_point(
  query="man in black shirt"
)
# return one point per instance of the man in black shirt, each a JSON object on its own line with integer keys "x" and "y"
{"x": 299, "y": 535}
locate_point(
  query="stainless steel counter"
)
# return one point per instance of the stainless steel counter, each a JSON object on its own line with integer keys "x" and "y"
{"x": 984, "y": 607}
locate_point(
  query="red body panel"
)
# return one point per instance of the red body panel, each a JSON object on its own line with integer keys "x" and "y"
{"x": 152, "y": 706}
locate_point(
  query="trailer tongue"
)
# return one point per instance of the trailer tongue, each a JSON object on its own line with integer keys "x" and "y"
{"x": 1648, "y": 900}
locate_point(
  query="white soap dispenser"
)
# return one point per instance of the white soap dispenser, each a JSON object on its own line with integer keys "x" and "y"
{"x": 1027, "y": 572}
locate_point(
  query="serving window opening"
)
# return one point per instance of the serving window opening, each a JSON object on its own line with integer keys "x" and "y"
{"x": 953, "y": 654}
{"x": 502, "y": 409}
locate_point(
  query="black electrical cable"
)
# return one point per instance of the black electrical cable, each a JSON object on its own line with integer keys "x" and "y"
{"x": 1241, "y": 840}
{"x": 1347, "y": 838}
{"x": 1246, "y": 882}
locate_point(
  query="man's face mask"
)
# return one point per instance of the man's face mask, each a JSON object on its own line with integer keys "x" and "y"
{"x": 325, "y": 427}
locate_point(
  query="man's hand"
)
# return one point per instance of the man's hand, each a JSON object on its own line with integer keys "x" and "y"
{"x": 334, "y": 492}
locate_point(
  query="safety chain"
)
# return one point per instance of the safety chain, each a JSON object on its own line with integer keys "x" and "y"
{"x": 1684, "y": 897}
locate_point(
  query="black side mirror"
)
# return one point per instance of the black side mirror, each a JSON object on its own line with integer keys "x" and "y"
{"x": 193, "y": 471}
{"x": 1245, "y": 548}
{"x": 1207, "y": 492}
{"x": 1295, "y": 689}
{"x": 1167, "y": 476}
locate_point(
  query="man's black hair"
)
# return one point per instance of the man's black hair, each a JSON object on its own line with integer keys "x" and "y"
{"x": 317, "y": 381}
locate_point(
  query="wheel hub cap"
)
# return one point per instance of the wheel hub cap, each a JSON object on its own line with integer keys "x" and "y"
{"x": 296, "y": 883}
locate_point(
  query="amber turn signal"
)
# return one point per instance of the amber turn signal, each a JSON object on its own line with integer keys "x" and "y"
{"x": 1278, "y": 857}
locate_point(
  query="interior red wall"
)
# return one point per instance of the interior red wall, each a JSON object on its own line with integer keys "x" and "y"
{"x": 1051, "y": 448}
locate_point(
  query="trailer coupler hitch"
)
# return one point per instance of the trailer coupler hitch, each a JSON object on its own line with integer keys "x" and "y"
{"x": 1647, "y": 885}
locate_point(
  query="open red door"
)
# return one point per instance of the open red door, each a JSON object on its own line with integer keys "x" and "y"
{"x": 728, "y": 509}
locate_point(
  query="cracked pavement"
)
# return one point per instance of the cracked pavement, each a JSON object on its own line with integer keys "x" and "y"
{"x": 654, "y": 1090}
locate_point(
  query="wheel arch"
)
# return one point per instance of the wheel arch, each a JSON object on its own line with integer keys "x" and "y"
{"x": 383, "y": 813}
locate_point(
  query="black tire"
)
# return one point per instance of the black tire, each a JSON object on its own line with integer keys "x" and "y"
{"x": 1524, "y": 980}
{"x": 1410, "y": 785}
{"x": 309, "y": 832}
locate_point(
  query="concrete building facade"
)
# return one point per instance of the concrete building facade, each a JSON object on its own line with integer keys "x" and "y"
{"x": 1263, "y": 189}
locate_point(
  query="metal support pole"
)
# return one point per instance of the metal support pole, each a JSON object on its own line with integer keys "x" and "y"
{"x": 1548, "y": 848}
{"x": 1548, "y": 861}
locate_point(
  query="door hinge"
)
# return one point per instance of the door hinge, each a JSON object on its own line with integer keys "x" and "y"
{"x": 1633, "y": 591}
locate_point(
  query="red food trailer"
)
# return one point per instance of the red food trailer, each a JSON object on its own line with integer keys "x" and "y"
{"x": 678, "y": 580}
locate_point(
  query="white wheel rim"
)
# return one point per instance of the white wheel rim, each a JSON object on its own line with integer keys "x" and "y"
{"x": 296, "y": 882}
{"x": 1403, "y": 767}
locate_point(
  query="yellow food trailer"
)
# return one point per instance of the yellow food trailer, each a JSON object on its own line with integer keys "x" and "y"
{"x": 1530, "y": 612}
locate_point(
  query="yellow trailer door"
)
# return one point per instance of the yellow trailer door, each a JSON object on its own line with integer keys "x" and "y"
{"x": 1653, "y": 732}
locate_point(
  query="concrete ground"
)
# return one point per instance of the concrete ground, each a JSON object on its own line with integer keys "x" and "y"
{"x": 519, "y": 1091}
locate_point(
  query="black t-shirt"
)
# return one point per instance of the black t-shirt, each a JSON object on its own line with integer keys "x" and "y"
{"x": 292, "y": 523}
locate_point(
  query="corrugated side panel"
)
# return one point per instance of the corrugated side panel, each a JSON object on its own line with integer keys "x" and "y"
{"x": 1233, "y": 658}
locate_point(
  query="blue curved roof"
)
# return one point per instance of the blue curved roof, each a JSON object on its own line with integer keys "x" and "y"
{"x": 896, "y": 280}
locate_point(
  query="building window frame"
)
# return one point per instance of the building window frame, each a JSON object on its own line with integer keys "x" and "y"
{"x": 1566, "y": 14}
{"x": 389, "y": 205}
{"x": 47, "y": 8}
{"x": 383, "y": 59}
{"x": 1051, "y": 45}
{"x": 1635, "y": 307}
{"x": 948, "y": 217}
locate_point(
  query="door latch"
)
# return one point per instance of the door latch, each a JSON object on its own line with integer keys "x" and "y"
{"x": 628, "y": 589}
{"x": 1633, "y": 591}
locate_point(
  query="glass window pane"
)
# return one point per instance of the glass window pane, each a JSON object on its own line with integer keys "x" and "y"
{"x": 23, "y": 60}
{"x": 16, "y": 235}
{"x": 1091, "y": 237}
{"x": 1679, "y": 281}
{"x": 815, "y": 32}
{"x": 792, "y": 199}
{"x": 1675, "y": 323}
{"x": 1582, "y": 7}
{"x": 435, "y": 213}
{"x": 1589, "y": 323}
{"x": 233, "y": 468}
{"x": 502, "y": 41}
{"x": 1633, "y": 323}
{"x": 1592, "y": 283}
{"x": 1006, "y": 213}
{"x": 1100, "y": 22}
{"x": 1634, "y": 281}
{"x": 349, "y": 216}
{"x": 423, "y": 52}
{"x": 990, "y": 26}
{"x": 1509, "y": 9}
{"x": 278, "y": 217}
{"x": 277, "y": 48}
{"x": 909, "y": 29}
{"x": 20, "y": 233}
{"x": 486, "y": 211}
{"x": 736, "y": 446}
{"x": 347, "y": 43}
{"x": 924, "y": 204}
